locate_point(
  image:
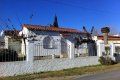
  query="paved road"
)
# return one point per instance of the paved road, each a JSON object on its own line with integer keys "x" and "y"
{"x": 113, "y": 75}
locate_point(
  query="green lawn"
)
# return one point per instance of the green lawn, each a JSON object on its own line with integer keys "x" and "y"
{"x": 65, "y": 72}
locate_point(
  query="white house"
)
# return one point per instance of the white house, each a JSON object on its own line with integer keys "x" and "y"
{"x": 112, "y": 47}
{"x": 50, "y": 42}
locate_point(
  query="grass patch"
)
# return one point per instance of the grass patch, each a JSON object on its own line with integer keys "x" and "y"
{"x": 65, "y": 72}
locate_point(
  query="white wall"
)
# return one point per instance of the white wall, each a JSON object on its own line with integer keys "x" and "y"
{"x": 111, "y": 44}
{"x": 25, "y": 67}
{"x": 6, "y": 41}
{"x": 82, "y": 49}
{"x": 37, "y": 46}
{"x": 40, "y": 51}
{"x": 14, "y": 45}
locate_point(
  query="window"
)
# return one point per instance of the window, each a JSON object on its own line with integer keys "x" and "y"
{"x": 48, "y": 43}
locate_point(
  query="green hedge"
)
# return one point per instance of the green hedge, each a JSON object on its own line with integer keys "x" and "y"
{"x": 106, "y": 60}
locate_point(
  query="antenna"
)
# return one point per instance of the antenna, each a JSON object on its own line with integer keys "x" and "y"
{"x": 92, "y": 29}
{"x": 85, "y": 29}
{"x": 18, "y": 20}
{"x": 31, "y": 17}
{"x": 9, "y": 20}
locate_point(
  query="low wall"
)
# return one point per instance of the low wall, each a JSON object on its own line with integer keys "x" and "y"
{"x": 25, "y": 67}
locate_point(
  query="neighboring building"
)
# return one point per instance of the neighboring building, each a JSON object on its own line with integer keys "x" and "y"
{"x": 10, "y": 40}
{"x": 46, "y": 41}
{"x": 112, "y": 47}
{"x": 2, "y": 41}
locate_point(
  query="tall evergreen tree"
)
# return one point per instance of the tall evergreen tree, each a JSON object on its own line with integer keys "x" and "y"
{"x": 55, "y": 24}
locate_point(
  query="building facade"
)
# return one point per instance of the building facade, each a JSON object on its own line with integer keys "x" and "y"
{"x": 51, "y": 42}
{"x": 113, "y": 46}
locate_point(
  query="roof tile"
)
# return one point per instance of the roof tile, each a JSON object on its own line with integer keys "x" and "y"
{"x": 110, "y": 37}
{"x": 47, "y": 28}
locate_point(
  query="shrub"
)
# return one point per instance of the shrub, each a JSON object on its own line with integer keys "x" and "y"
{"x": 105, "y": 60}
{"x": 8, "y": 55}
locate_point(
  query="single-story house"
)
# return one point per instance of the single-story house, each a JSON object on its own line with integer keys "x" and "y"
{"x": 52, "y": 42}
{"x": 112, "y": 47}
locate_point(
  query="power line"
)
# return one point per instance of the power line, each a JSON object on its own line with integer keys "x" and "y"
{"x": 19, "y": 20}
{"x": 81, "y": 7}
{"x": 9, "y": 20}
{"x": 1, "y": 27}
{"x": 4, "y": 24}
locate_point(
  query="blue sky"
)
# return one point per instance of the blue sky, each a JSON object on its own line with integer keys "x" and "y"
{"x": 70, "y": 13}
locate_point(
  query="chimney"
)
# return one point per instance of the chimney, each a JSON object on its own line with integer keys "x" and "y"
{"x": 105, "y": 31}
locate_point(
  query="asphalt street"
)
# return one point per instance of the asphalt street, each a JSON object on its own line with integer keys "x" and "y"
{"x": 113, "y": 75}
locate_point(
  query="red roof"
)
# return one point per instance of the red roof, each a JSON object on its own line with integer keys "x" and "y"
{"x": 109, "y": 37}
{"x": 47, "y": 28}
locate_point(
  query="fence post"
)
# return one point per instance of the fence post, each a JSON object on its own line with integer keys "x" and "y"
{"x": 112, "y": 49}
{"x": 71, "y": 53}
{"x": 101, "y": 49}
{"x": 53, "y": 56}
{"x": 29, "y": 51}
